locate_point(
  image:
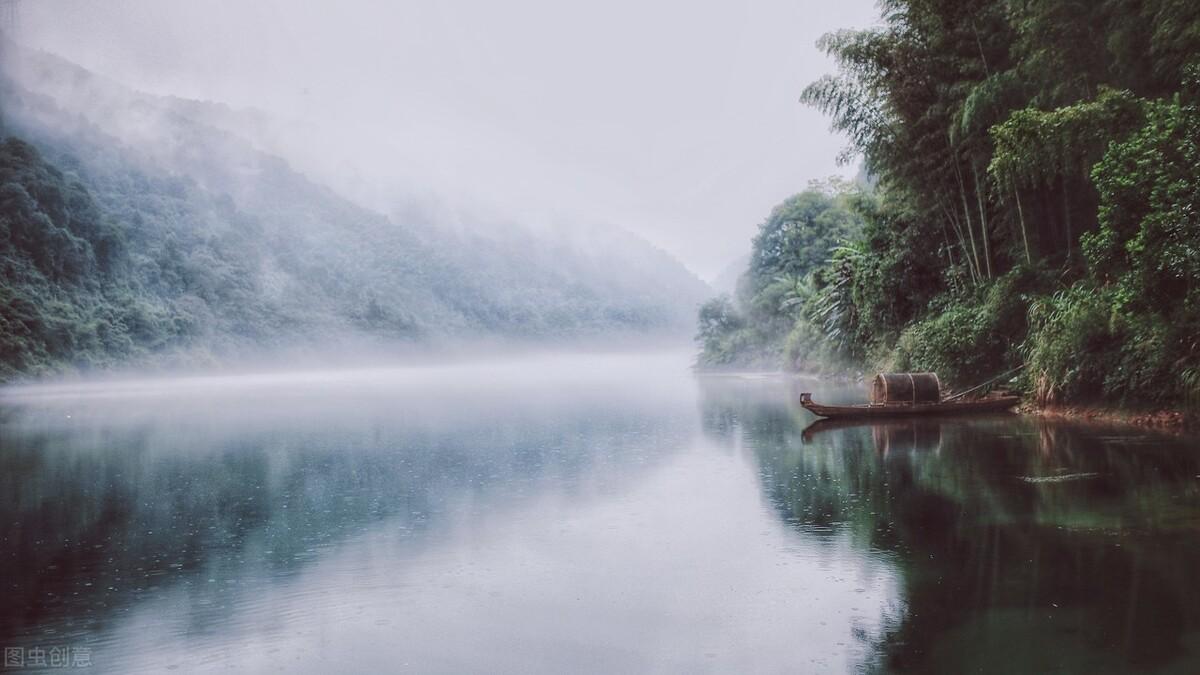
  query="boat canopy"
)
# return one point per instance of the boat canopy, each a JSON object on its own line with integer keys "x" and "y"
{"x": 906, "y": 388}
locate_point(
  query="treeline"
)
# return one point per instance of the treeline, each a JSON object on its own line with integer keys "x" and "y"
{"x": 1038, "y": 197}
{"x": 792, "y": 289}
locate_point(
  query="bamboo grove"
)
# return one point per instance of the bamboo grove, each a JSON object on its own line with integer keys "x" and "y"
{"x": 1035, "y": 199}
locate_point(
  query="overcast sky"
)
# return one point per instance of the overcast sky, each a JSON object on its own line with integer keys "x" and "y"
{"x": 677, "y": 119}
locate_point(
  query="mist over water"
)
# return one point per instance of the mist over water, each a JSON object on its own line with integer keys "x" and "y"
{"x": 359, "y": 339}
{"x": 593, "y": 512}
{"x": 486, "y": 515}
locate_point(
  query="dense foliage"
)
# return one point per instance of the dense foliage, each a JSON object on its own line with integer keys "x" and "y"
{"x": 1038, "y": 186}
{"x": 66, "y": 291}
{"x": 787, "y": 283}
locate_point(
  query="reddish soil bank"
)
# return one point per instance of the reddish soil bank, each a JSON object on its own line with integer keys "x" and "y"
{"x": 1163, "y": 420}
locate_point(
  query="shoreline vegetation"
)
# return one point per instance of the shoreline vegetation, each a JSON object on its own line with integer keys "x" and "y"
{"x": 1029, "y": 196}
{"x": 1172, "y": 420}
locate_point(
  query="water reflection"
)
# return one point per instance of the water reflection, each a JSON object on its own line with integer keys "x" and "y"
{"x": 596, "y": 514}
{"x": 114, "y": 497}
{"x": 537, "y": 516}
{"x": 1024, "y": 545}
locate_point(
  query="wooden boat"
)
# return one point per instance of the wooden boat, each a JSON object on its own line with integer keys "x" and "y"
{"x": 895, "y": 394}
{"x": 895, "y": 409}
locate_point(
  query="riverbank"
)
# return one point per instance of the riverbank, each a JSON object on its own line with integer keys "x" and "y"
{"x": 1169, "y": 420}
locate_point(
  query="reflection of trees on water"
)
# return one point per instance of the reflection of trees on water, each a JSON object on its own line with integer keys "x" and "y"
{"x": 96, "y": 517}
{"x": 1018, "y": 540}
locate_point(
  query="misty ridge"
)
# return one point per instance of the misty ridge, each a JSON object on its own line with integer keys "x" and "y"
{"x": 147, "y": 230}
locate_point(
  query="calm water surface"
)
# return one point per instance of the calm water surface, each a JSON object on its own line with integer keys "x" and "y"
{"x": 600, "y": 513}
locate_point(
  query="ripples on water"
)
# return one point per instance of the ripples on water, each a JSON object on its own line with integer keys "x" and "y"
{"x": 581, "y": 513}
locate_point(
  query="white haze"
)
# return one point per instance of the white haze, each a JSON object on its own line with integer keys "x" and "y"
{"x": 678, "y": 120}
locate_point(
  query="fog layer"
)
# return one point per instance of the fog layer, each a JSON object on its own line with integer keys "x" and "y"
{"x": 677, "y": 120}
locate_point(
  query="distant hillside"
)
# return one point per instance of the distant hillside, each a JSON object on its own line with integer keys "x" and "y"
{"x": 132, "y": 228}
{"x": 726, "y": 282}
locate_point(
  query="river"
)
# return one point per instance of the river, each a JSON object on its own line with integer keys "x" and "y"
{"x": 579, "y": 513}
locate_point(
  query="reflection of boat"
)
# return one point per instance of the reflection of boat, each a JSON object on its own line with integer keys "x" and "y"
{"x": 823, "y": 425}
{"x": 980, "y": 405}
{"x": 908, "y": 435}
{"x": 889, "y": 434}
{"x": 895, "y": 394}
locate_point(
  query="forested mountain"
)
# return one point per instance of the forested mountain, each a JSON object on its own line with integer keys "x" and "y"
{"x": 1038, "y": 196}
{"x": 134, "y": 229}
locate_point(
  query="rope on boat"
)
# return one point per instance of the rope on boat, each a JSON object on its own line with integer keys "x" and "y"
{"x": 980, "y": 386}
